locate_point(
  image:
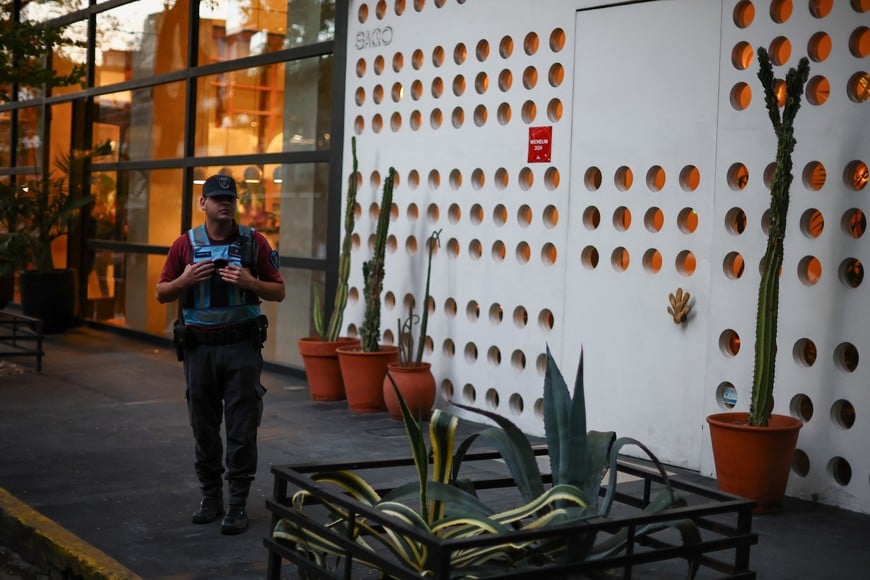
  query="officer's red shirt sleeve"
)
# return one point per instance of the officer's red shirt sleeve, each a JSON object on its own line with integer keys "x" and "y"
{"x": 266, "y": 270}
{"x": 178, "y": 258}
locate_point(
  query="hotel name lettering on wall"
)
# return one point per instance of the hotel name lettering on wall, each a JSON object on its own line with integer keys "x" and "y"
{"x": 374, "y": 38}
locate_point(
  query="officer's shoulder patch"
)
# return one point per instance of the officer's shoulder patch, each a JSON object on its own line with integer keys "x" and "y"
{"x": 275, "y": 260}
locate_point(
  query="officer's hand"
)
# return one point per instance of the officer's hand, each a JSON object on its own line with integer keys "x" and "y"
{"x": 237, "y": 276}
{"x": 199, "y": 272}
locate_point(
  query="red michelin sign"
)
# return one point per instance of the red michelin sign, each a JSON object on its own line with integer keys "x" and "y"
{"x": 540, "y": 144}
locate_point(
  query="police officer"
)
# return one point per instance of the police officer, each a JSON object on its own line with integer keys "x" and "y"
{"x": 221, "y": 271}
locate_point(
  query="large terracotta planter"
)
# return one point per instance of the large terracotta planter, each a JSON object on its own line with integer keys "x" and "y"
{"x": 417, "y": 385}
{"x": 363, "y": 375}
{"x": 754, "y": 462}
{"x": 321, "y": 367}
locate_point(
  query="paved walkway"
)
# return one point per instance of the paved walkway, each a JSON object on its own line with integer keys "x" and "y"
{"x": 98, "y": 448}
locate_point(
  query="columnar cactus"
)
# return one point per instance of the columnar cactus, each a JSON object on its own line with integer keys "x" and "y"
{"x": 373, "y": 272}
{"x": 761, "y": 406}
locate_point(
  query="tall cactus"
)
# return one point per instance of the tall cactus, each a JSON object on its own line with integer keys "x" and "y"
{"x": 373, "y": 272}
{"x": 761, "y": 406}
{"x": 331, "y": 333}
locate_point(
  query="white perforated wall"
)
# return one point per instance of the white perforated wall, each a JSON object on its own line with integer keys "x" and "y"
{"x": 656, "y": 181}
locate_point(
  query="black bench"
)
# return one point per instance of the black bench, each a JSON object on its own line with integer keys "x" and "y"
{"x": 21, "y": 336}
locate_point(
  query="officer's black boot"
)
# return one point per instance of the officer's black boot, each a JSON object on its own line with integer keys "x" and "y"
{"x": 210, "y": 509}
{"x": 236, "y": 520}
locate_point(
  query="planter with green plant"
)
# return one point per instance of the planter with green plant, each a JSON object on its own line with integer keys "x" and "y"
{"x": 363, "y": 367}
{"x": 410, "y": 373}
{"x": 36, "y": 213}
{"x": 457, "y": 518}
{"x": 319, "y": 352}
{"x": 753, "y": 451}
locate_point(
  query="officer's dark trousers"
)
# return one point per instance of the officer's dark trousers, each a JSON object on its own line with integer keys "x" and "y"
{"x": 224, "y": 380}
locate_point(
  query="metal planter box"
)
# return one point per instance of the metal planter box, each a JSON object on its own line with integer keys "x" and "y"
{"x": 724, "y": 520}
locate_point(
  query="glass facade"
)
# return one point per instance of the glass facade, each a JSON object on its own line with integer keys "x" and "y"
{"x": 254, "y": 98}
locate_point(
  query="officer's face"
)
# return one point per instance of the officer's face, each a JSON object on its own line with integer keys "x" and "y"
{"x": 219, "y": 207}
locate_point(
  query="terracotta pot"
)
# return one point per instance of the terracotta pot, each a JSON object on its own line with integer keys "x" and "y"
{"x": 321, "y": 367}
{"x": 754, "y": 462}
{"x": 363, "y": 374}
{"x": 417, "y": 385}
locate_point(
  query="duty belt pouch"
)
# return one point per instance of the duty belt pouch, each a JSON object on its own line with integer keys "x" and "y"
{"x": 178, "y": 330}
{"x": 262, "y": 325}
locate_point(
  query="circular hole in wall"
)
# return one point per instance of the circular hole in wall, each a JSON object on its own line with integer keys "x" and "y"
{"x": 530, "y": 111}
{"x": 499, "y": 215}
{"x": 482, "y": 51}
{"x": 779, "y": 50}
{"x": 520, "y": 317}
{"x": 455, "y": 179}
{"x": 620, "y": 259}
{"x": 472, "y": 310}
{"x": 438, "y": 56}
{"x": 530, "y": 77}
{"x": 846, "y": 357}
{"x": 398, "y": 62}
{"x": 589, "y": 257}
{"x": 556, "y": 75}
{"x": 516, "y": 404}
{"x": 518, "y": 360}
{"x": 557, "y": 40}
{"x": 504, "y": 114}
{"x": 416, "y": 120}
{"x": 552, "y": 178}
{"x": 800, "y": 464}
{"x": 359, "y": 125}
{"x": 548, "y": 254}
{"x": 498, "y": 251}
{"x": 820, "y": 8}
{"x": 743, "y": 14}
{"x": 458, "y": 117}
{"x": 812, "y": 223}
{"x": 551, "y": 216}
{"x": 690, "y": 178}
{"x": 526, "y": 179}
{"x": 475, "y": 249}
{"x": 729, "y": 342}
{"x": 855, "y": 175}
{"x": 858, "y": 87}
{"x": 434, "y": 179}
{"x": 379, "y": 65}
{"x": 687, "y": 220}
{"x": 818, "y": 90}
{"x": 417, "y": 59}
{"x": 804, "y": 352}
{"x": 392, "y": 244}
{"x": 530, "y": 43}
{"x": 506, "y": 47}
{"x": 622, "y": 219}
{"x": 801, "y": 407}
{"x": 413, "y": 212}
{"x": 492, "y": 399}
{"x": 524, "y": 215}
{"x": 735, "y": 221}
{"x": 840, "y": 471}
{"x": 433, "y": 213}
{"x": 654, "y": 219}
{"x": 623, "y": 178}
{"x": 437, "y": 87}
{"x": 843, "y": 414}
{"x": 592, "y": 179}
{"x": 450, "y": 308}
{"x": 400, "y": 7}
{"x": 733, "y": 265}
{"x": 493, "y": 355}
{"x": 363, "y": 13}
{"x": 478, "y": 178}
{"x": 460, "y": 53}
{"x": 740, "y": 96}
{"x": 742, "y": 55}
{"x": 655, "y": 178}
{"x": 480, "y": 115}
{"x": 859, "y": 42}
{"x": 454, "y": 213}
{"x": 416, "y": 90}
{"x": 726, "y": 395}
{"x": 411, "y": 245}
{"x": 395, "y": 121}
{"x": 546, "y": 320}
{"x": 523, "y": 252}
{"x": 819, "y": 46}
{"x": 854, "y": 223}
{"x": 413, "y": 179}
{"x": 469, "y": 395}
{"x": 554, "y": 110}
{"x": 851, "y": 272}
{"x": 809, "y": 270}
{"x": 476, "y": 214}
{"x": 389, "y": 300}
{"x": 458, "y": 85}
{"x": 591, "y": 218}
{"x": 652, "y": 261}
{"x": 505, "y": 80}
{"x": 481, "y": 83}
{"x": 496, "y": 314}
{"x": 780, "y": 10}
{"x": 377, "y": 123}
{"x": 501, "y": 178}
{"x": 360, "y": 96}
{"x": 738, "y": 176}
{"x": 686, "y": 263}
{"x": 436, "y": 118}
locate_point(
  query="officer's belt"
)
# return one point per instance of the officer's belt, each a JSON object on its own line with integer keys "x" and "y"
{"x": 224, "y": 335}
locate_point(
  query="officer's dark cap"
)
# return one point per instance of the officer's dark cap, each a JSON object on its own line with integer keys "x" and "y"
{"x": 219, "y": 185}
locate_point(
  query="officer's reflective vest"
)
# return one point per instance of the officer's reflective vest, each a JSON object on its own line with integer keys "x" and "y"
{"x": 214, "y": 302}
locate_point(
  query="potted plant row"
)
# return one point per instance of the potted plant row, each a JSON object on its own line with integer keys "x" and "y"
{"x": 363, "y": 367}
{"x": 753, "y": 451}
{"x": 411, "y": 375}
{"x": 319, "y": 352}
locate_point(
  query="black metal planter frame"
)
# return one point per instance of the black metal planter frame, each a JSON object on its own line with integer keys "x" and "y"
{"x": 725, "y": 522}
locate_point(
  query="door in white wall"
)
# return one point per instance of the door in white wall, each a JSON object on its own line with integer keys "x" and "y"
{"x": 642, "y": 165}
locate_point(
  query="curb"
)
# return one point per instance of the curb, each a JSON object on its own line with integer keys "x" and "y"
{"x": 49, "y": 546}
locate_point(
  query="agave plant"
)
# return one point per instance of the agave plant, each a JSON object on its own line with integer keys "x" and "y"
{"x": 442, "y": 504}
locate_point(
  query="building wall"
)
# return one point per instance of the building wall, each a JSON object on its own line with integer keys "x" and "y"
{"x": 645, "y": 192}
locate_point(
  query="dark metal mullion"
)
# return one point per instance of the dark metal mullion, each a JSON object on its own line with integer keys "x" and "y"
{"x": 190, "y": 116}
{"x": 336, "y": 157}
{"x": 280, "y": 158}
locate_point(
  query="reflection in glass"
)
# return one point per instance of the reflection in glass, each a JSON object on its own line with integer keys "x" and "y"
{"x": 249, "y": 111}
